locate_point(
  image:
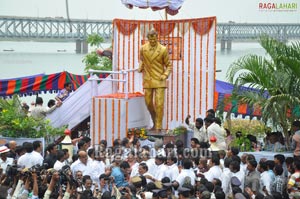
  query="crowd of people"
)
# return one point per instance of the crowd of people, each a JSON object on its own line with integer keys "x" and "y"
{"x": 209, "y": 168}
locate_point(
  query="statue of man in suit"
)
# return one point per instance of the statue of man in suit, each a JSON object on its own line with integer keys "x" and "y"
{"x": 156, "y": 67}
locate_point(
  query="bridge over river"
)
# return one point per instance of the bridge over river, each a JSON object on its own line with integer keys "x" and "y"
{"x": 61, "y": 29}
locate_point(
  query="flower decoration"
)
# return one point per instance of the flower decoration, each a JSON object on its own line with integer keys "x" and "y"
{"x": 137, "y": 133}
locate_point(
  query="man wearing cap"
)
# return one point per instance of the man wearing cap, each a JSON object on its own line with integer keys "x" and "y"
{"x": 183, "y": 193}
{"x": 4, "y": 160}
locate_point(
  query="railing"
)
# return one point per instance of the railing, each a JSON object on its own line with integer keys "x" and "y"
{"x": 122, "y": 72}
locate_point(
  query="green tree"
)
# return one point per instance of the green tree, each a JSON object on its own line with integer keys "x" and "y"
{"x": 92, "y": 60}
{"x": 275, "y": 76}
{"x": 14, "y": 122}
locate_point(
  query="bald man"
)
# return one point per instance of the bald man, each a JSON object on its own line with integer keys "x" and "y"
{"x": 12, "y": 145}
{"x": 83, "y": 164}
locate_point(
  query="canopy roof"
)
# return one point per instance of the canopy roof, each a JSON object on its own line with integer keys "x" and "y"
{"x": 39, "y": 83}
{"x": 171, "y": 7}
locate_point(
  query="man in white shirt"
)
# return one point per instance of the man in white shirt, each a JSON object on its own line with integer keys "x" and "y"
{"x": 265, "y": 178}
{"x": 4, "y": 160}
{"x": 40, "y": 112}
{"x": 198, "y": 128}
{"x": 38, "y": 150}
{"x": 60, "y": 162}
{"x": 97, "y": 166}
{"x": 143, "y": 171}
{"x": 237, "y": 172}
{"x": 30, "y": 158}
{"x": 185, "y": 173}
{"x": 214, "y": 171}
{"x": 82, "y": 164}
{"x": 226, "y": 176}
{"x": 160, "y": 168}
{"x": 214, "y": 129}
{"x": 172, "y": 172}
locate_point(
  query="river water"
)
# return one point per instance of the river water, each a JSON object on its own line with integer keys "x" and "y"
{"x": 18, "y": 59}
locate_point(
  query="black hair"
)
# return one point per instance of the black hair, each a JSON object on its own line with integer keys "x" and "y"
{"x": 234, "y": 150}
{"x": 236, "y": 158}
{"x": 218, "y": 121}
{"x": 270, "y": 164}
{"x": 80, "y": 144}
{"x": 187, "y": 164}
{"x": 220, "y": 194}
{"x": 210, "y": 186}
{"x": 253, "y": 163}
{"x": 60, "y": 154}
{"x": 91, "y": 152}
{"x": 28, "y": 146}
{"x": 39, "y": 100}
{"x": 125, "y": 141}
{"x": 51, "y": 103}
{"x": 124, "y": 165}
{"x": 36, "y": 144}
{"x": 199, "y": 120}
{"x": 50, "y": 147}
{"x": 195, "y": 140}
{"x": 209, "y": 119}
{"x": 235, "y": 166}
{"x": 215, "y": 160}
{"x": 67, "y": 84}
{"x": 86, "y": 139}
{"x": 280, "y": 158}
{"x": 218, "y": 182}
{"x": 278, "y": 170}
{"x": 227, "y": 162}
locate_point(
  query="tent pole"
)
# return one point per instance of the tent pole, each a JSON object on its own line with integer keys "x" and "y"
{"x": 166, "y": 15}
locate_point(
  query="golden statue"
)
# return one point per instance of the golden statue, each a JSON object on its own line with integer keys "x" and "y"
{"x": 156, "y": 67}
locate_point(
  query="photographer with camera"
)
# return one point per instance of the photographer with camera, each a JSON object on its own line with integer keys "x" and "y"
{"x": 26, "y": 191}
{"x": 54, "y": 182}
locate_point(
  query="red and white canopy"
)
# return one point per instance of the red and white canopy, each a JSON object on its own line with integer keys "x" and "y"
{"x": 171, "y": 6}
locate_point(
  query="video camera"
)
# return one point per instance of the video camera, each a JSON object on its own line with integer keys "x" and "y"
{"x": 66, "y": 176}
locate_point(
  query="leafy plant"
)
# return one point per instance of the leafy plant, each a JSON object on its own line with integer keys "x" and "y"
{"x": 14, "y": 122}
{"x": 245, "y": 127}
{"x": 252, "y": 127}
{"x": 92, "y": 60}
{"x": 276, "y": 78}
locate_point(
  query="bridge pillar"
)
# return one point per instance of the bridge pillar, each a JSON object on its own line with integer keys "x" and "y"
{"x": 78, "y": 46}
{"x": 223, "y": 44}
{"x": 229, "y": 44}
{"x": 85, "y": 47}
{"x": 81, "y": 46}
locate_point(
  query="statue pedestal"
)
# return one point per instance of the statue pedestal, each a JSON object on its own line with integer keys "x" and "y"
{"x": 112, "y": 116}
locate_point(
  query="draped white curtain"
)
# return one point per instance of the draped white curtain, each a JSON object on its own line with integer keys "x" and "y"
{"x": 172, "y": 4}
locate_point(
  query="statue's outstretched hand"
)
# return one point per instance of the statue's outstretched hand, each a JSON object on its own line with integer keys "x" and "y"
{"x": 163, "y": 77}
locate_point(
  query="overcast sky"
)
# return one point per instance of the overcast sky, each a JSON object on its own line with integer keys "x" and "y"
{"x": 225, "y": 10}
